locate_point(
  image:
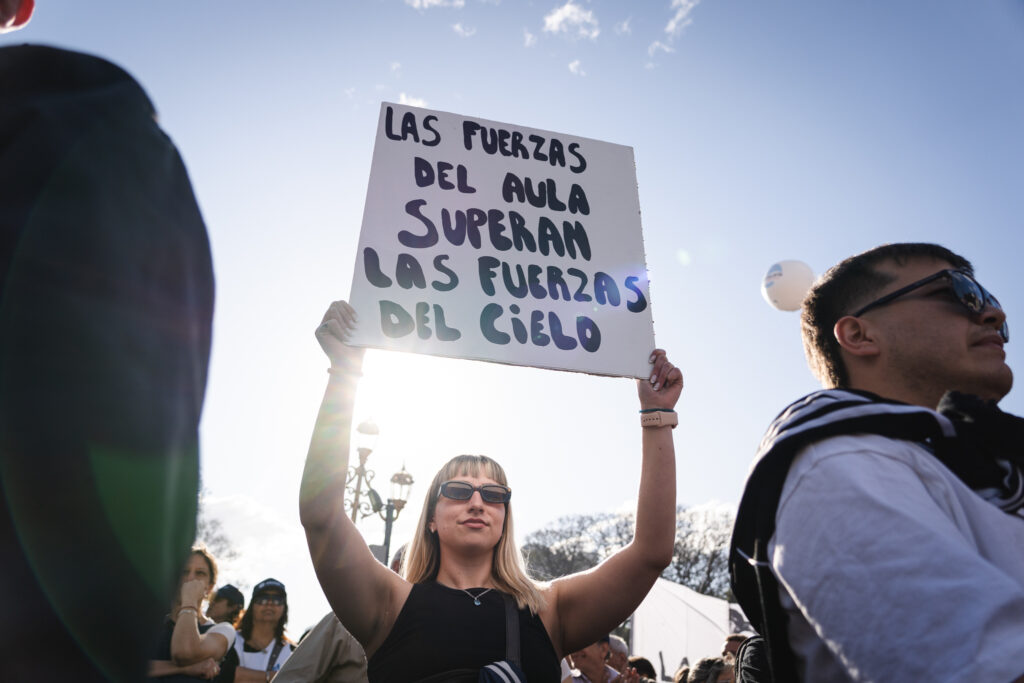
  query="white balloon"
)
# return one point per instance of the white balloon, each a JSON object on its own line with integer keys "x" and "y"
{"x": 786, "y": 284}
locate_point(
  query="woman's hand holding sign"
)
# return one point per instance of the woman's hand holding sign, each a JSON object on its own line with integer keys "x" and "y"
{"x": 334, "y": 331}
{"x": 662, "y": 389}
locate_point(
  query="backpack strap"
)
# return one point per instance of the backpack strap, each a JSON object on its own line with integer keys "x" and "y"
{"x": 511, "y": 630}
{"x": 508, "y": 670}
{"x": 779, "y": 657}
{"x": 278, "y": 646}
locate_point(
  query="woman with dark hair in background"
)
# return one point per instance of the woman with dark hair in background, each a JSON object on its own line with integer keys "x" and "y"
{"x": 260, "y": 647}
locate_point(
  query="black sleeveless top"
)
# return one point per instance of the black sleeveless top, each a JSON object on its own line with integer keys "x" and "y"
{"x": 440, "y": 629}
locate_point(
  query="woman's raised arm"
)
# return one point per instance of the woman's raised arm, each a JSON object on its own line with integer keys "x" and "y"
{"x": 361, "y": 590}
{"x": 585, "y": 606}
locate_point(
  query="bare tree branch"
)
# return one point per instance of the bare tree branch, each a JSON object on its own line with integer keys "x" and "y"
{"x": 578, "y": 542}
{"x": 210, "y": 532}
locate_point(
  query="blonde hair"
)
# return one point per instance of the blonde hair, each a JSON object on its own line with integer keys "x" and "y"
{"x": 508, "y": 573}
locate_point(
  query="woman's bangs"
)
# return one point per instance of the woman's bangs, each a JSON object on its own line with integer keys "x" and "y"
{"x": 474, "y": 466}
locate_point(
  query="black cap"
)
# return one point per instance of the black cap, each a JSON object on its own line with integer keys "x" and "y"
{"x": 269, "y": 586}
{"x": 231, "y": 594}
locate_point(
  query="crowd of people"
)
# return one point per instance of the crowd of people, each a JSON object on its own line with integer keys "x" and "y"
{"x": 609, "y": 661}
{"x": 211, "y": 634}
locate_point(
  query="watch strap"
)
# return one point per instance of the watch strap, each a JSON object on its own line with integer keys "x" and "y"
{"x": 659, "y": 419}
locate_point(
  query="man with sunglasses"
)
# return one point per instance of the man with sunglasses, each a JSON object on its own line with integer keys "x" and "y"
{"x": 881, "y": 531}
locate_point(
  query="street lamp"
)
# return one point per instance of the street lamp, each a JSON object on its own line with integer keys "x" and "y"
{"x": 366, "y": 438}
{"x": 401, "y": 483}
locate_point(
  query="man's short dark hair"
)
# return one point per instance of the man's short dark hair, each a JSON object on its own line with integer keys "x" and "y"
{"x": 852, "y": 282}
{"x": 230, "y": 594}
{"x": 643, "y": 667}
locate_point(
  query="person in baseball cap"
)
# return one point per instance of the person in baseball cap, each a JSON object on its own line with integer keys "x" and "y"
{"x": 226, "y": 604}
{"x": 269, "y": 587}
{"x": 261, "y": 646}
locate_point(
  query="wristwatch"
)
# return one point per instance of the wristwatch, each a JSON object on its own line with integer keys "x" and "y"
{"x": 660, "y": 418}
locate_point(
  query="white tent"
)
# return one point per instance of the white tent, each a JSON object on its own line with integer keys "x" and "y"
{"x": 674, "y": 622}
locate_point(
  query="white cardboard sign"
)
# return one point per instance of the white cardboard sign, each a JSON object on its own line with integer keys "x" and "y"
{"x": 502, "y": 243}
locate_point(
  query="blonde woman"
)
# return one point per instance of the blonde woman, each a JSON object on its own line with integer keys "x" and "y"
{"x": 447, "y": 616}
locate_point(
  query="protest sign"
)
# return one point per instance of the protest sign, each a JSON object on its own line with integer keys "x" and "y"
{"x": 503, "y": 243}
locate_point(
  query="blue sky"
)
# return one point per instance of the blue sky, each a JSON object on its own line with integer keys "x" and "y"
{"x": 761, "y": 131}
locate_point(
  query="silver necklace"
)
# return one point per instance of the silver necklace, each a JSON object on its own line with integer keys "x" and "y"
{"x": 476, "y": 598}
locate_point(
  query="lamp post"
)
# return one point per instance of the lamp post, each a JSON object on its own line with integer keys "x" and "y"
{"x": 401, "y": 483}
{"x": 366, "y": 438}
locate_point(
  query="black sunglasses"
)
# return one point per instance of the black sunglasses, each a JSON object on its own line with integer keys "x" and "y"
{"x": 968, "y": 292}
{"x": 460, "y": 490}
{"x": 269, "y": 600}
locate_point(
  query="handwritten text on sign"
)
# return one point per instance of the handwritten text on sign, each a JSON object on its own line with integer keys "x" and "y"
{"x": 497, "y": 242}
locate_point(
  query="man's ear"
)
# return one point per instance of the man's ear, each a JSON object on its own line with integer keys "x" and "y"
{"x": 856, "y": 336}
{"x": 15, "y": 13}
